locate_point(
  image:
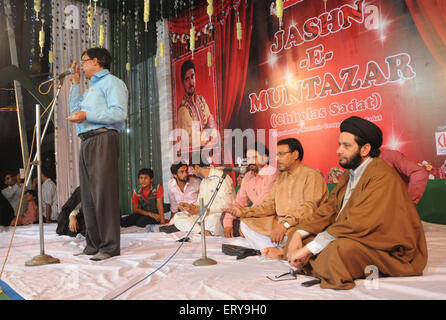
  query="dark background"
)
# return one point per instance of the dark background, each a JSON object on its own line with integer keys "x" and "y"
{"x": 26, "y": 34}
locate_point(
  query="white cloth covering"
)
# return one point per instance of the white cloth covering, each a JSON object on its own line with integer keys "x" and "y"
{"x": 77, "y": 277}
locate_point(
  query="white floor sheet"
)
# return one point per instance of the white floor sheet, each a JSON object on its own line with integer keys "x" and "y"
{"x": 76, "y": 277}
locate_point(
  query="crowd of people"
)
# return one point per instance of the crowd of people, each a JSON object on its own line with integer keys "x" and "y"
{"x": 12, "y": 201}
{"x": 286, "y": 212}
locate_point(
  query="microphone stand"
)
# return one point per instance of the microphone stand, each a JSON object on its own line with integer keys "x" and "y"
{"x": 58, "y": 88}
{"x": 42, "y": 258}
{"x": 204, "y": 260}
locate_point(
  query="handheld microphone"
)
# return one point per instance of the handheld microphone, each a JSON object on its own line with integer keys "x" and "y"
{"x": 240, "y": 170}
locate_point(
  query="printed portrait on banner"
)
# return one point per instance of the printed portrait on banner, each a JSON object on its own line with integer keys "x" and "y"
{"x": 195, "y": 100}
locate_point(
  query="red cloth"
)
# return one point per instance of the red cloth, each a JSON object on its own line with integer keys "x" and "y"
{"x": 429, "y": 17}
{"x": 412, "y": 174}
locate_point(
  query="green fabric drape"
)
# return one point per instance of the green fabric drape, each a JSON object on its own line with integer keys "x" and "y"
{"x": 140, "y": 140}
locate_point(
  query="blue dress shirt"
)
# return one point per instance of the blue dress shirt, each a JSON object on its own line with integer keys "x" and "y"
{"x": 105, "y": 103}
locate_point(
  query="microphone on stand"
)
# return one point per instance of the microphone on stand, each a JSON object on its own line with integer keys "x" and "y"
{"x": 240, "y": 170}
{"x": 56, "y": 78}
{"x": 63, "y": 75}
{"x": 60, "y": 76}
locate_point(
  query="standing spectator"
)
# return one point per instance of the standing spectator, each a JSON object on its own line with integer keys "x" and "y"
{"x": 13, "y": 191}
{"x": 49, "y": 197}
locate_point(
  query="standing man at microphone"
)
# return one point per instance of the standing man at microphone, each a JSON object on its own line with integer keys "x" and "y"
{"x": 99, "y": 114}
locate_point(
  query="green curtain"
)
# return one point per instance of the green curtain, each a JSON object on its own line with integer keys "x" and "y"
{"x": 140, "y": 140}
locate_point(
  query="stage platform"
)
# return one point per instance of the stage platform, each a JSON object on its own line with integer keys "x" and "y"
{"x": 78, "y": 278}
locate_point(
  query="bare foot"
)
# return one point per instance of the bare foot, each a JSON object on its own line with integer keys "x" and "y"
{"x": 273, "y": 253}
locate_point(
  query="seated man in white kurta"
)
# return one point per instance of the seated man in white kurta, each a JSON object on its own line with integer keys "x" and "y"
{"x": 185, "y": 218}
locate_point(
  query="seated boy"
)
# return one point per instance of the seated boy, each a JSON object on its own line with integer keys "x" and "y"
{"x": 147, "y": 203}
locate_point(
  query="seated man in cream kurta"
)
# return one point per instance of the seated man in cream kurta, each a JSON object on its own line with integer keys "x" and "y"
{"x": 185, "y": 218}
{"x": 295, "y": 195}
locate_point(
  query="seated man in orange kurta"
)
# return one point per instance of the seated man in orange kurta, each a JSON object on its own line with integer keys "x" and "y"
{"x": 369, "y": 219}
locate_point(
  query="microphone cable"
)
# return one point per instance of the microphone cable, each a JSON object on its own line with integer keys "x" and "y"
{"x": 168, "y": 259}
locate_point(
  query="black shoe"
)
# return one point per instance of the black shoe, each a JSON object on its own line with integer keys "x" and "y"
{"x": 170, "y": 228}
{"x": 100, "y": 256}
{"x": 240, "y": 252}
{"x": 88, "y": 252}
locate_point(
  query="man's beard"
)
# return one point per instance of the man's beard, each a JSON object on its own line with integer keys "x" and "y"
{"x": 190, "y": 93}
{"x": 353, "y": 162}
{"x": 253, "y": 168}
{"x": 185, "y": 180}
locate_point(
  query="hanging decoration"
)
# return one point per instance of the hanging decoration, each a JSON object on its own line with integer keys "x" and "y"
{"x": 210, "y": 10}
{"x": 192, "y": 40}
{"x": 325, "y": 5}
{"x": 101, "y": 35}
{"x": 41, "y": 39}
{"x": 162, "y": 33}
{"x": 90, "y": 14}
{"x": 95, "y": 5}
{"x": 239, "y": 30}
{"x": 25, "y": 10}
{"x": 279, "y": 12}
{"x": 37, "y": 8}
{"x": 146, "y": 13}
{"x": 209, "y": 61}
{"x": 156, "y": 62}
{"x": 162, "y": 49}
{"x": 50, "y": 57}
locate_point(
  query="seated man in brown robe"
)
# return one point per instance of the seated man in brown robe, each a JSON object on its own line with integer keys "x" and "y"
{"x": 369, "y": 219}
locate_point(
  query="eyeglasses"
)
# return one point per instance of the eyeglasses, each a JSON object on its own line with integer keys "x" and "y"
{"x": 83, "y": 61}
{"x": 281, "y": 154}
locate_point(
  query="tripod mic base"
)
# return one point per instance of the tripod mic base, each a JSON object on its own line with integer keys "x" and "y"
{"x": 204, "y": 261}
{"x": 41, "y": 260}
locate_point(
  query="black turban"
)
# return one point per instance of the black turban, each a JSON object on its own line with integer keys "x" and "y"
{"x": 364, "y": 129}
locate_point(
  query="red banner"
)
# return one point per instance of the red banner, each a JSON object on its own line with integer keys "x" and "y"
{"x": 372, "y": 59}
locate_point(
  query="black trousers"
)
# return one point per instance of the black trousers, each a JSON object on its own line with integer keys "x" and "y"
{"x": 99, "y": 182}
{"x": 138, "y": 220}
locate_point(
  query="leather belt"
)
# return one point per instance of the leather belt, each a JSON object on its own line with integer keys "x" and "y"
{"x": 84, "y": 136}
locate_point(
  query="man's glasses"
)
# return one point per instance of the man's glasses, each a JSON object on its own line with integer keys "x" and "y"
{"x": 83, "y": 61}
